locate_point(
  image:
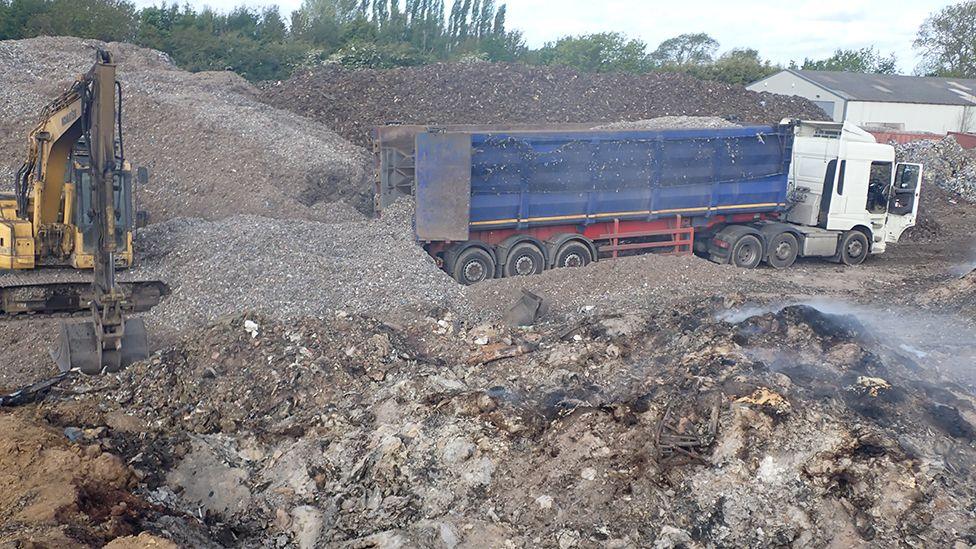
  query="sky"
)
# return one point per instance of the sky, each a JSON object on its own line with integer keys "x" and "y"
{"x": 782, "y": 30}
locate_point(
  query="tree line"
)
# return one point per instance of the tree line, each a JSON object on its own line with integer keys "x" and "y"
{"x": 261, "y": 44}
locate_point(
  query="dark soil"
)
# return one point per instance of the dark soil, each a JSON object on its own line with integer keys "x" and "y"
{"x": 351, "y": 102}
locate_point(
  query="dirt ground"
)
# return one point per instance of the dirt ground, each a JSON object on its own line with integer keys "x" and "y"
{"x": 845, "y": 419}
{"x": 663, "y": 401}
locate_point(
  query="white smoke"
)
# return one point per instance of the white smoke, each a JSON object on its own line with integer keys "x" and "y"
{"x": 942, "y": 343}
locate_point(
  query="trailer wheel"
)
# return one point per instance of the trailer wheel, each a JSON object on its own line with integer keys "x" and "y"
{"x": 473, "y": 265}
{"x": 747, "y": 252}
{"x": 524, "y": 259}
{"x": 573, "y": 254}
{"x": 853, "y": 248}
{"x": 783, "y": 249}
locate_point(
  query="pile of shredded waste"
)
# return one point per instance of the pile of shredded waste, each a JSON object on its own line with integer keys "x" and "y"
{"x": 706, "y": 425}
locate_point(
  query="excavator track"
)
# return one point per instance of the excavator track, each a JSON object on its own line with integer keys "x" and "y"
{"x": 63, "y": 293}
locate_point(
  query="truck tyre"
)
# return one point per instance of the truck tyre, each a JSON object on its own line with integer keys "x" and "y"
{"x": 473, "y": 265}
{"x": 747, "y": 252}
{"x": 783, "y": 249}
{"x": 573, "y": 254}
{"x": 853, "y": 248}
{"x": 524, "y": 259}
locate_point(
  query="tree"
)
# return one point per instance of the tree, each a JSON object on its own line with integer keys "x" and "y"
{"x": 498, "y": 27}
{"x": 474, "y": 26}
{"x": 506, "y": 46}
{"x": 947, "y": 41}
{"x": 109, "y": 20}
{"x": 4, "y": 18}
{"x": 425, "y": 26}
{"x": 486, "y": 18}
{"x": 866, "y": 60}
{"x": 271, "y": 27}
{"x": 603, "y": 52}
{"x": 341, "y": 11}
{"x": 685, "y": 49}
{"x": 737, "y": 66}
{"x": 362, "y": 55}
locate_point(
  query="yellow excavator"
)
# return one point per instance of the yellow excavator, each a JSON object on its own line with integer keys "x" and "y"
{"x": 73, "y": 210}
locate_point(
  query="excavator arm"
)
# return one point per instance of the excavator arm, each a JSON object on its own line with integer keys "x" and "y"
{"x": 49, "y": 149}
{"x": 110, "y": 341}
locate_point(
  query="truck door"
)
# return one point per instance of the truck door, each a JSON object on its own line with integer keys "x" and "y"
{"x": 903, "y": 200}
{"x": 828, "y": 191}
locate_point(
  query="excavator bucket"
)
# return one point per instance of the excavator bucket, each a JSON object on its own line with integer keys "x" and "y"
{"x": 526, "y": 310}
{"x": 79, "y": 348}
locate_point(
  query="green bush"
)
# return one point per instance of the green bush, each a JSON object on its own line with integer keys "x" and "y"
{"x": 369, "y": 55}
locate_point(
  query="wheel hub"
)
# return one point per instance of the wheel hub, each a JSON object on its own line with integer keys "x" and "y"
{"x": 572, "y": 260}
{"x": 746, "y": 254}
{"x": 783, "y": 251}
{"x": 474, "y": 271}
{"x": 855, "y": 248}
{"x": 524, "y": 266}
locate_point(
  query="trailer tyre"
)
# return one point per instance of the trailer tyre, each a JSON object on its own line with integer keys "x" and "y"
{"x": 524, "y": 259}
{"x": 573, "y": 254}
{"x": 747, "y": 252}
{"x": 783, "y": 250}
{"x": 853, "y": 248}
{"x": 473, "y": 265}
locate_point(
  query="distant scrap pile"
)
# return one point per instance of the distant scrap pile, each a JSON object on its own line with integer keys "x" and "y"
{"x": 352, "y": 101}
{"x": 947, "y": 165}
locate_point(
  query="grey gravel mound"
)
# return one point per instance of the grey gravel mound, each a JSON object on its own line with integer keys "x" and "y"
{"x": 212, "y": 149}
{"x": 290, "y": 268}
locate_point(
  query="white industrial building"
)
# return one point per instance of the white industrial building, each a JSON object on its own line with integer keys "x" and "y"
{"x": 882, "y": 101}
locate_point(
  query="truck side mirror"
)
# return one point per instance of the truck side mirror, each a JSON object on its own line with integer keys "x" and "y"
{"x": 142, "y": 175}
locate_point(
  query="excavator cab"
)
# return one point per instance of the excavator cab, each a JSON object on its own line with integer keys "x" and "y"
{"x": 103, "y": 344}
{"x": 85, "y": 218}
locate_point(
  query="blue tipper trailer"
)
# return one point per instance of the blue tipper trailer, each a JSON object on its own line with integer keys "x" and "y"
{"x": 613, "y": 191}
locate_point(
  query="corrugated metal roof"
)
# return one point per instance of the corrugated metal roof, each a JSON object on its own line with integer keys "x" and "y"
{"x": 893, "y": 88}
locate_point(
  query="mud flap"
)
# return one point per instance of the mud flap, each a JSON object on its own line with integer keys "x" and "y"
{"x": 527, "y": 310}
{"x": 80, "y": 349}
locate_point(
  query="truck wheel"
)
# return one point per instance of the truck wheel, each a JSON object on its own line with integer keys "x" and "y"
{"x": 747, "y": 252}
{"x": 524, "y": 259}
{"x": 853, "y": 248}
{"x": 473, "y": 265}
{"x": 573, "y": 254}
{"x": 783, "y": 250}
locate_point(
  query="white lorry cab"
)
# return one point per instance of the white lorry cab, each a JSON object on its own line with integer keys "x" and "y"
{"x": 847, "y": 199}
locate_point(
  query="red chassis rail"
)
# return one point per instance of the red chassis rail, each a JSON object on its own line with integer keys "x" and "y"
{"x": 607, "y": 234}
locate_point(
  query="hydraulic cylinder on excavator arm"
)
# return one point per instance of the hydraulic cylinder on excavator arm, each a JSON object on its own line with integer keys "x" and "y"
{"x": 109, "y": 341}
